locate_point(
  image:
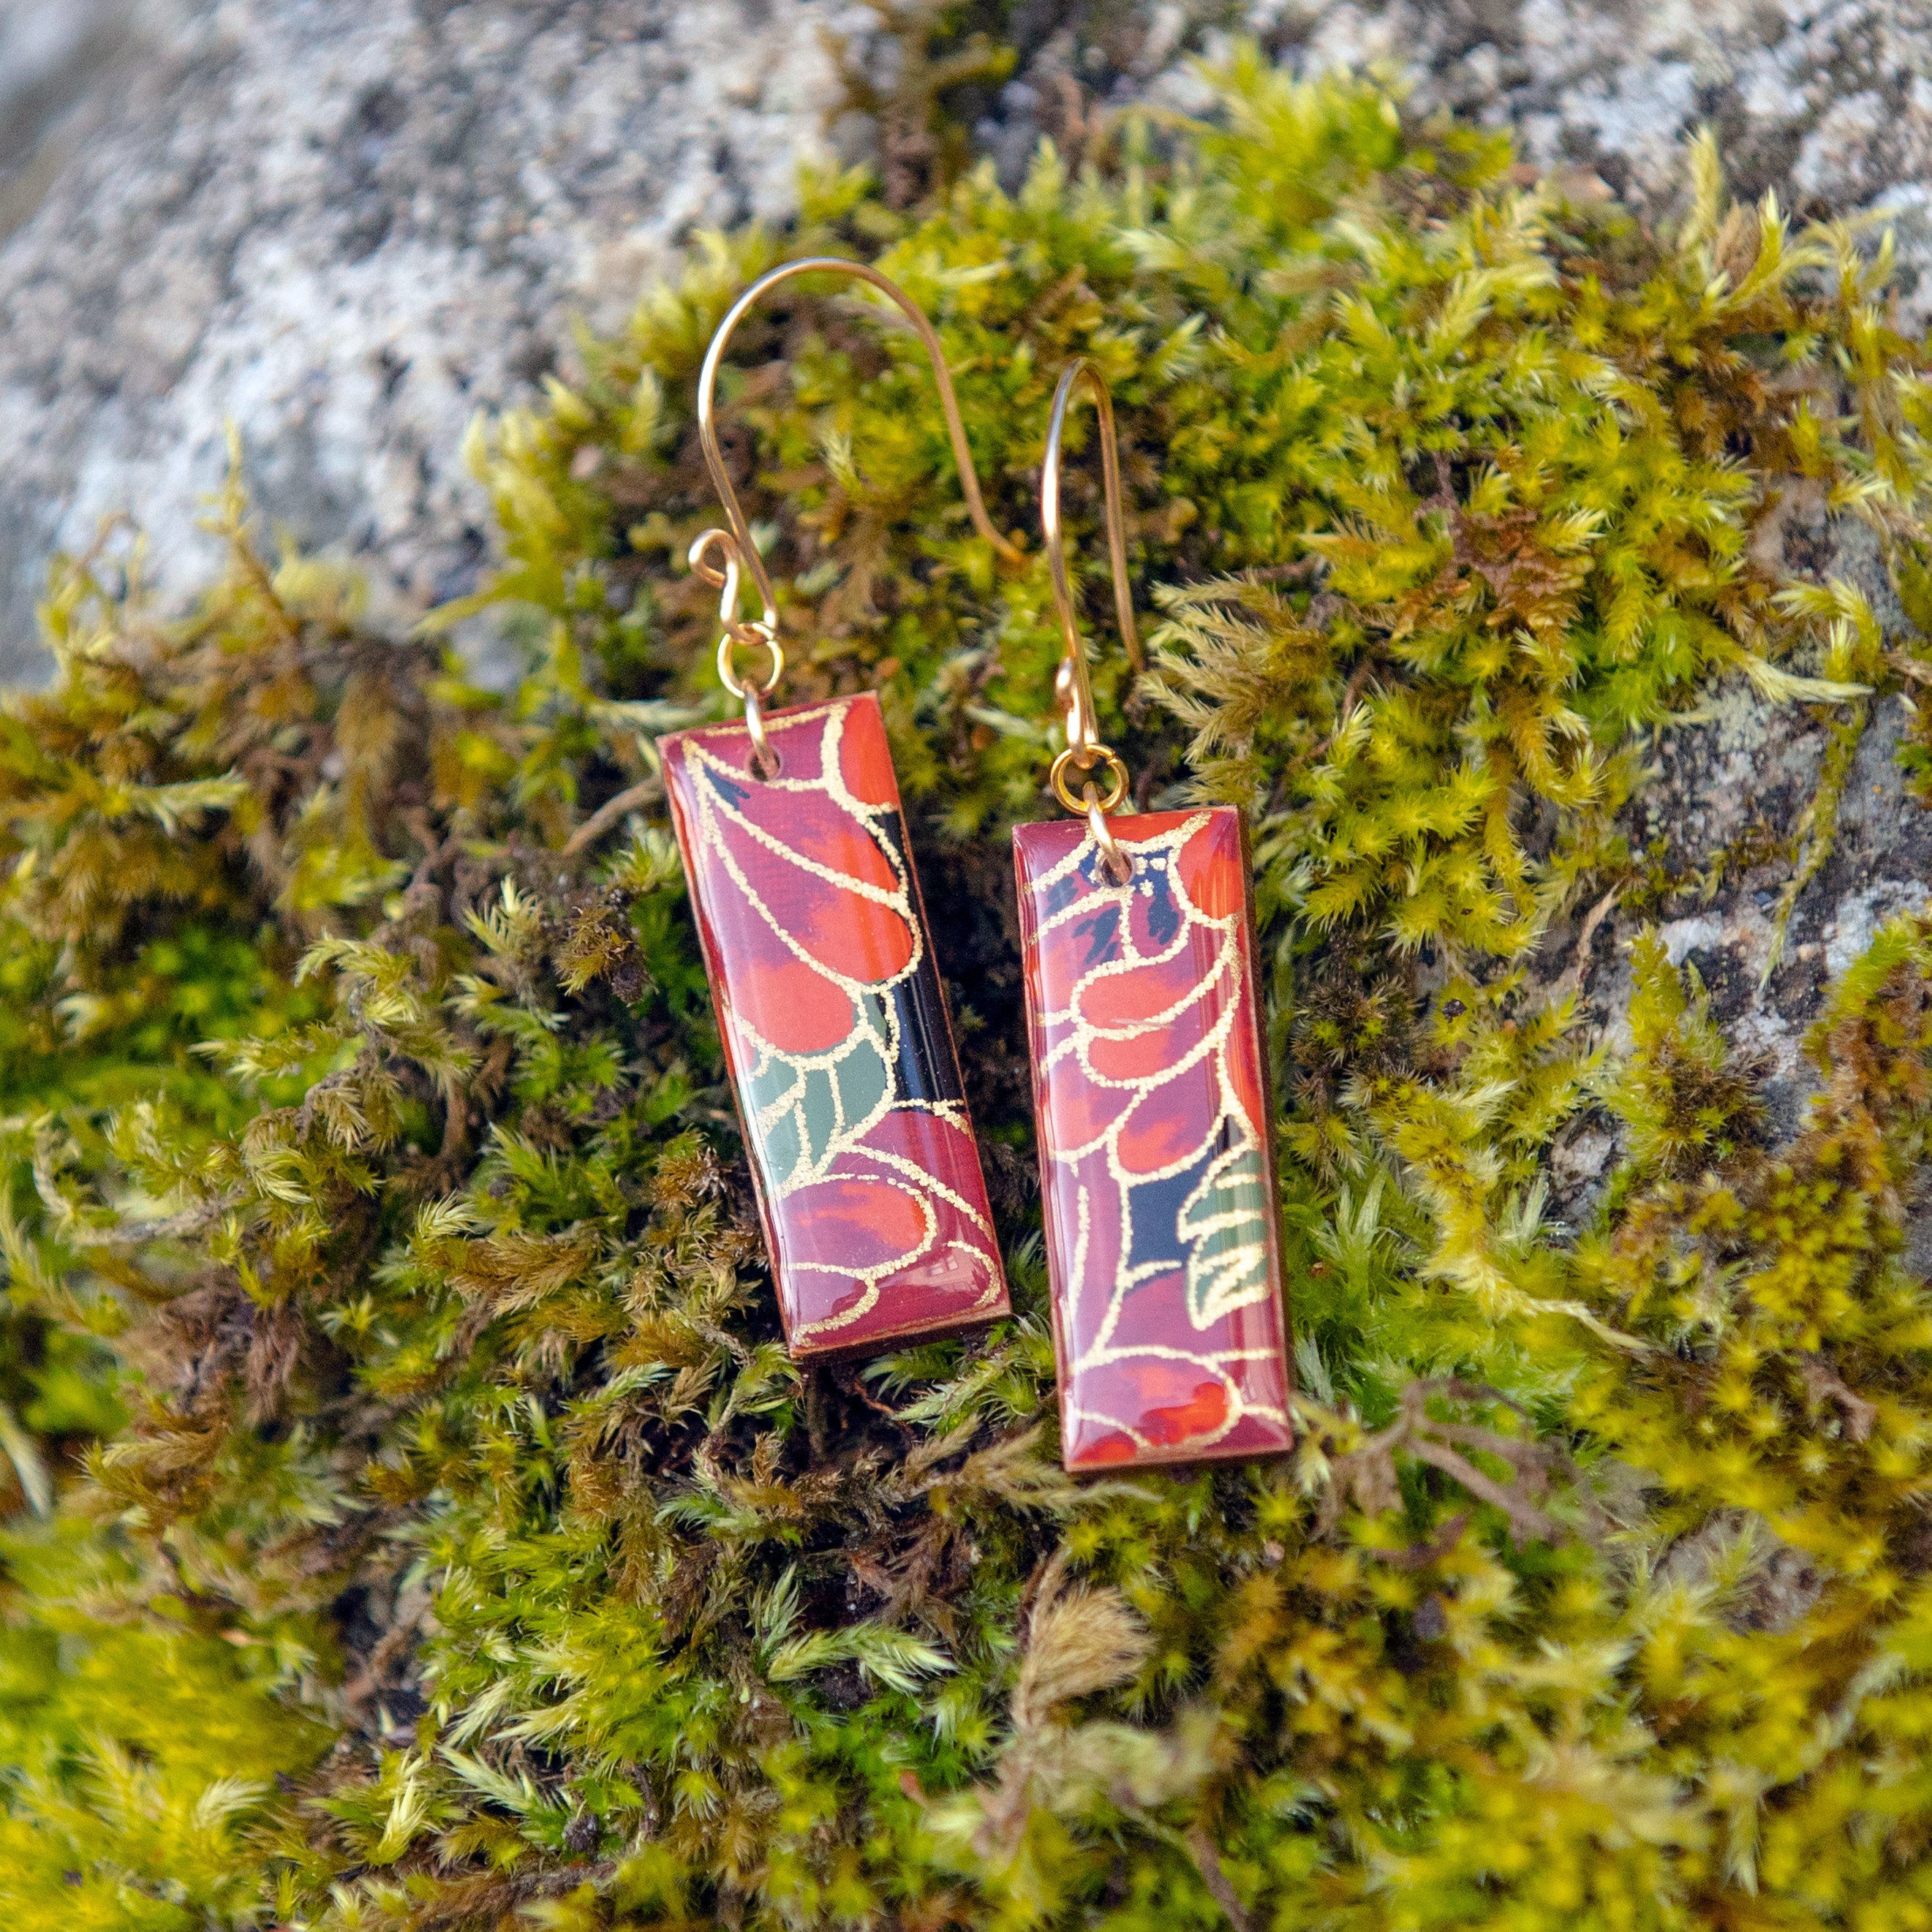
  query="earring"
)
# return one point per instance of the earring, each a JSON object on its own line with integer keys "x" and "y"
{"x": 821, "y": 963}
{"x": 1150, "y": 1083}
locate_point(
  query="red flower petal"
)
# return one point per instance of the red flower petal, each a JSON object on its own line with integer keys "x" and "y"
{"x": 1146, "y": 1051}
{"x": 782, "y": 999}
{"x": 1120, "y": 1001}
{"x": 819, "y": 830}
{"x": 1168, "y": 1402}
{"x": 865, "y": 758}
{"x": 1203, "y": 1413}
{"x": 849, "y": 932}
{"x": 1082, "y": 1109}
{"x": 1173, "y": 1121}
{"x": 857, "y": 1222}
{"x": 1244, "y": 1074}
{"x": 1210, "y": 868}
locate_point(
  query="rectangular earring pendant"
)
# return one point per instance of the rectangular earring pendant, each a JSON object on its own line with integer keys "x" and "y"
{"x": 1155, "y": 1141}
{"x": 834, "y": 1029}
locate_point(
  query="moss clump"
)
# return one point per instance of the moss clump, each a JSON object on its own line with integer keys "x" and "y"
{"x": 369, "y": 1145}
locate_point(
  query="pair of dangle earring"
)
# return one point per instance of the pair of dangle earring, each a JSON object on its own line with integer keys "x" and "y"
{"x": 820, "y": 961}
{"x": 1155, "y": 1128}
{"x": 1150, "y": 1081}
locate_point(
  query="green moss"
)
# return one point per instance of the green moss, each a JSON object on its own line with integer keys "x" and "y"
{"x": 470, "y": 1553}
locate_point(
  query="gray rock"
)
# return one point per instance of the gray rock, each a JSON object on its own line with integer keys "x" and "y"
{"x": 1737, "y": 781}
{"x": 1830, "y": 104}
{"x": 54, "y": 56}
{"x": 346, "y": 227}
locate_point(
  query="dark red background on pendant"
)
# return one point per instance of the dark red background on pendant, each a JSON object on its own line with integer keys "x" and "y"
{"x": 1166, "y": 1401}
{"x": 863, "y": 1214}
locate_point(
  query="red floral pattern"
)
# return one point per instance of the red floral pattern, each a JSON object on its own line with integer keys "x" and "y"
{"x": 1155, "y": 1164}
{"x": 815, "y": 941}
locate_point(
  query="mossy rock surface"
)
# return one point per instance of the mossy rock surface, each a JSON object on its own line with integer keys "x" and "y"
{"x": 414, "y": 1519}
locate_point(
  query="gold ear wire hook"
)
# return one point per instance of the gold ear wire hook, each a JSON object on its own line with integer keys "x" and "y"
{"x": 1084, "y": 751}
{"x": 707, "y": 423}
{"x": 1072, "y": 681}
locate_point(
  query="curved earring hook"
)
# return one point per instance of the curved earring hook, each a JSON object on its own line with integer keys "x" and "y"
{"x": 707, "y": 423}
{"x": 1084, "y": 750}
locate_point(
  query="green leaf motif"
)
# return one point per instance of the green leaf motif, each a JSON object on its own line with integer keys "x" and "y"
{"x": 1224, "y": 1222}
{"x": 807, "y": 1108}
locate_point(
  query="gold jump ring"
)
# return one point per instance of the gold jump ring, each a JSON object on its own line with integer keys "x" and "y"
{"x": 752, "y": 633}
{"x": 1086, "y": 760}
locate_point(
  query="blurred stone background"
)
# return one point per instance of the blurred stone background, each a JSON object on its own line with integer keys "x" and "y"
{"x": 345, "y": 225}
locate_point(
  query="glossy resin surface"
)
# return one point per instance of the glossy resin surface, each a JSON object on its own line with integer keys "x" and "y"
{"x": 834, "y": 1028}
{"x": 1155, "y": 1164}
